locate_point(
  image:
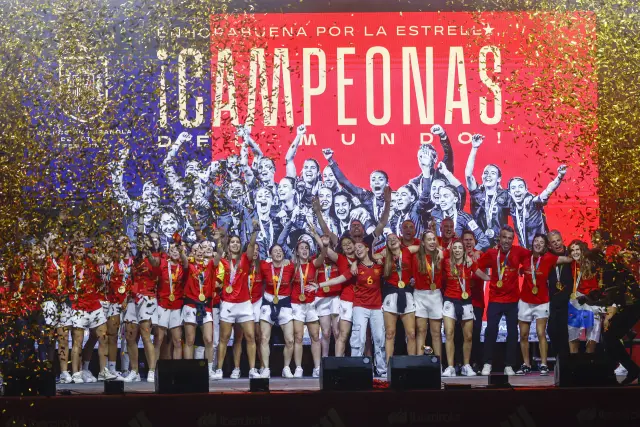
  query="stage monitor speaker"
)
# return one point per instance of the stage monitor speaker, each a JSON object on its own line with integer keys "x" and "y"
{"x": 498, "y": 380}
{"x": 113, "y": 387}
{"x": 29, "y": 382}
{"x": 182, "y": 376}
{"x": 584, "y": 370}
{"x": 259, "y": 385}
{"x": 346, "y": 373}
{"x": 414, "y": 373}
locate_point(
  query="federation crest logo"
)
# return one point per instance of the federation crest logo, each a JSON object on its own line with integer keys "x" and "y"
{"x": 84, "y": 86}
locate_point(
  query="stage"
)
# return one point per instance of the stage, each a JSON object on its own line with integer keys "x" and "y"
{"x": 531, "y": 401}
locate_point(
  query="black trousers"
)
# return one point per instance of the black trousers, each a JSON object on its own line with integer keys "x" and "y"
{"x": 558, "y": 327}
{"x": 495, "y": 310}
{"x": 619, "y": 325}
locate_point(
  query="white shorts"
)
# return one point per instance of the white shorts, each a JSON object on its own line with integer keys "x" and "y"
{"x": 449, "y": 310}
{"x": 346, "y": 311}
{"x": 88, "y": 319}
{"x": 145, "y": 309}
{"x": 169, "y": 318}
{"x": 428, "y": 303}
{"x": 189, "y": 315}
{"x": 326, "y": 306}
{"x": 256, "y": 310}
{"x": 527, "y": 312}
{"x": 232, "y": 312}
{"x": 215, "y": 315}
{"x": 286, "y": 313}
{"x": 57, "y": 315}
{"x": 390, "y": 304}
{"x": 305, "y": 312}
{"x": 111, "y": 308}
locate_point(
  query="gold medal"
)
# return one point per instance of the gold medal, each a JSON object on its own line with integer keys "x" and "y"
{"x": 229, "y": 289}
{"x": 601, "y": 284}
{"x": 433, "y": 287}
{"x": 302, "y": 298}
{"x": 121, "y": 289}
{"x": 573, "y": 295}
{"x": 326, "y": 289}
{"x": 499, "y": 284}
{"x": 275, "y": 280}
{"x": 275, "y": 299}
{"x": 401, "y": 284}
{"x": 559, "y": 286}
{"x": 201, "y": 297}
{"x": 172, "y": 297}
{"x": 465, "y": 295}
{"x": 534, "y": 290}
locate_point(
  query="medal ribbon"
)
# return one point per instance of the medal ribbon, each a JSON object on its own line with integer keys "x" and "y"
{"x": 534, "y": 269}
{"x": 502, "y": 265}
{"x": 201, "y": 279}
{"x": 273, "y": 273}
{"x": 57, "y": 271}
{"x": 170, "y": 277}
{"x": 431, "y": 268}
{"x": 463, "y": 282}
{"x": 399, "y": 267}
{"x": 126, "y": 270}
{"x": 232, "y": 274}
{"x": 303, "y": 278}
{"x": 577, "y": 275}
{"x": 251, "y": 278}
{"x": 75, "y": 281}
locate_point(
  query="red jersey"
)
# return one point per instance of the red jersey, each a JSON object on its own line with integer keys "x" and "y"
{"x": 145, "y": 281}
{"x": 460, "y": 276}
{"x": 283, "y": 277}
{"x": 509, "y": 264}
{"x": 121, "y": 279}
{"x": 301, "y": 277}
{"x": 56, "y": 279}
{"x": 542, "y": 267}
{"x": 199, "y": 279}
{"x": 238, "y": 281}
{"x": 327, "y": 271}
{"x": 256, "y": 287}
{"x": 86, "y": 284}
{"x": 477, "y": 291}
{"x": 344, "y": 266}
{"x": 433, "y": 275}
{"x": 582, "y": 284}
{"x": 171, "y": 278}
{"x": 416, "y": 242}
{"x": 444, "y": 245}
{"x": 220, "y": 280}
{"x": 404, "y": 261}
{"x": 368, "y": 287}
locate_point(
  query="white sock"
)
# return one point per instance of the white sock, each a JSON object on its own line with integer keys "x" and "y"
{"x": 211, "y": 366}
{"x": 85, "y": 366}
{"x": 111, "y": 366}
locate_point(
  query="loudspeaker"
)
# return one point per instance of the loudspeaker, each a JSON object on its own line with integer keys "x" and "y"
{"x": 414, "y": 373}
{"x": 29, "y": 382}
{"x": 346, "y": 373}
{"x": 584, "y": 370}
{"x": 182, "y": 376}
{"x": 499, "y": 381}
{"x": 259, "y": 385}
{"x": 113, "y": 387}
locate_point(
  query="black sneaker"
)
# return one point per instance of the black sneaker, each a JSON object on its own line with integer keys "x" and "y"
{"x": 524, "y": 370}
{"x": 544, "y": 370}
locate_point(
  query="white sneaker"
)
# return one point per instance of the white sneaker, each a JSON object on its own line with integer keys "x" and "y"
{"x": 486, "y": 370}
{"x": 215, "y": 375}
{"x": 286, "y": 372}
{"x": 316, "y": 372}
{"x": 235, "y": 374}
{"x": 254, "y": 373}
{"x": 106, "y": 375}
{"x": 88, "y": 377}
{"x": 266, "y": 373}
{"x": 65, "y": 378}
{"x": 151, "y": 376}
{"x": 298, "y": 372}
{"x": 620, "y": 371}
{"x": 132, "y": 377}
{"x": 119, "y": 376}
{"x": 449, "y": 372}
{"x": 77, "y": 378}
{"x": 468, "y": 371}
{"x": 509, "y": 371}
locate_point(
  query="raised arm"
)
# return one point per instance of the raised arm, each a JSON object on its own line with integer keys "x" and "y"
{"x": 476, "y": 142}
{"x": 446, "y": 146}
{"x": 553, "y": 185}
{"x": 193, "y": 219}
{"x": 252, "y": 241}
{"x": 481, "y": 274}
{"x": 317, "y": 210}
{"x": 384, "y": 219}
{"x": 323, "y": 244}
{"x": 293, "y": 149}
{"x": 340, "y": 177}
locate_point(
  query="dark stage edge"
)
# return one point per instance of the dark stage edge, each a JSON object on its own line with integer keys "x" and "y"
{"x": 533, "y": 401}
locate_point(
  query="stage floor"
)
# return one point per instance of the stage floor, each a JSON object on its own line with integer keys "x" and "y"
{"x": 299, "y": 384}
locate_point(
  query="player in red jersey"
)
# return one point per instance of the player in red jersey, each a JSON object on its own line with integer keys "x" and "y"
{"x": 366, "y": 305}
{"x": 504, "y": 294}
{"x": 343, "y": 261}
{"x": 87, "y": 311}
{"x": 585, "y": 280}
{"x": 236, "y": 307}
{"x": 477, "y": 300}
{"x": 302, "y": 302}
{"x": 276, "y": 307}
{"x": 427, "y": 274}
{"x": 408, "y": 230}
{"x": 457, "y": 273}
{"x": 398, "y": 295}
{"x": 57, "y": 307}
{"x": 534, "y": 299}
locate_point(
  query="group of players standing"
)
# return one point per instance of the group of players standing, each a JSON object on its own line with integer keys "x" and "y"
{"x": 238, "y": 253}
